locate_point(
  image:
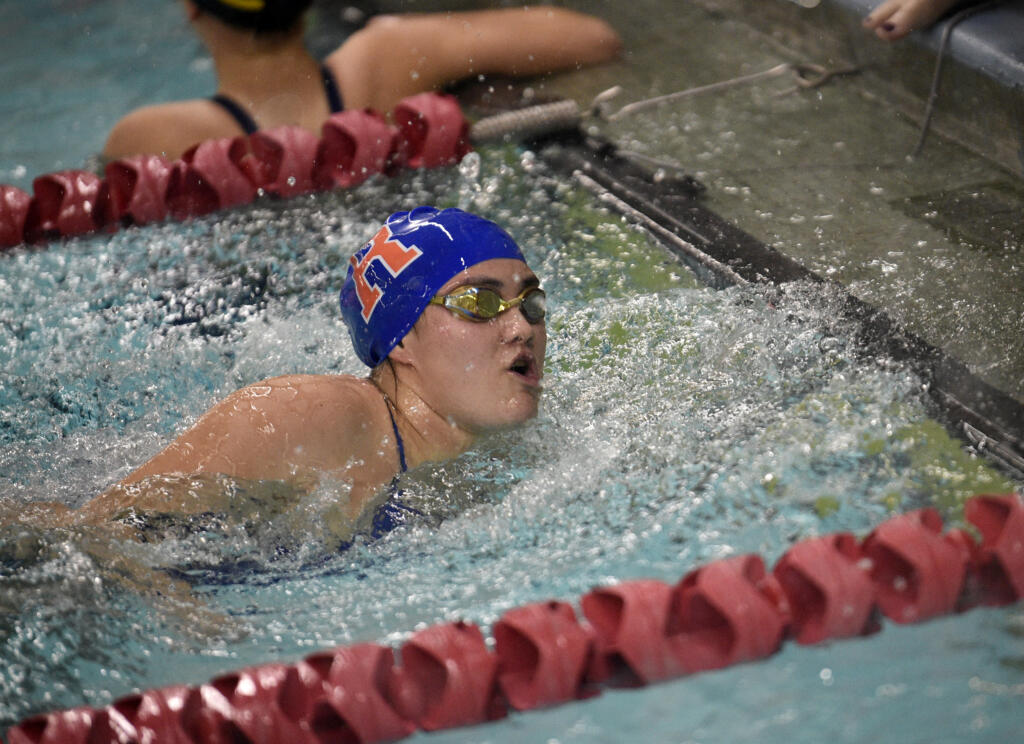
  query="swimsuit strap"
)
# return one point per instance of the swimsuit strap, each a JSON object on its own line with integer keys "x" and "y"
{"x": 398, "y": 437}
{"x": 249, "y": 125}
{"x": 239, "y": 114}
{"x": 331, "y": 90}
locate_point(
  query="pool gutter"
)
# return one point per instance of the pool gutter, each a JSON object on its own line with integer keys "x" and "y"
{"x": 990, "y": 421}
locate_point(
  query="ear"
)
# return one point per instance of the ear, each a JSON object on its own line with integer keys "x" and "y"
{"x": 402, "y": 354}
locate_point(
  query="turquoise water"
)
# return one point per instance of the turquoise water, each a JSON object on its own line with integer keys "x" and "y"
{"x": 680, "y": 424}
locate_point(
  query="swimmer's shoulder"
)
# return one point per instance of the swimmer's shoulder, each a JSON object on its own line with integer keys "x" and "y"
{"x": 167, "y": 129}
{"x": 334, "y": 405}
{"x": 346, "y": 388}
{"x": 341, "y": 422}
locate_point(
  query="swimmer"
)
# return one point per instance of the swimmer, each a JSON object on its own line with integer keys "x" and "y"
{"x": 266, "y": 77}
{"x": 442, "y": 307}
{"x": 895, "y": 19}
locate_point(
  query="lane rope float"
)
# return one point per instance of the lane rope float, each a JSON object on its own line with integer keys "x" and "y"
{"x": 631, "y": 634}
{"x": 429, "y": 131}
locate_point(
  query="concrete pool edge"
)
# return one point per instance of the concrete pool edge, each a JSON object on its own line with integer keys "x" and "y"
{"x": 983, "y": 69}
{"x": 987, "y": 419}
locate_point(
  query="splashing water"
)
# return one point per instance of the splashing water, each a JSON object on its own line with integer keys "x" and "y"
{"x": 679, "y": 424}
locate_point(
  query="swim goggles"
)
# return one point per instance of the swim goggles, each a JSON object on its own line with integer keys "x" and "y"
{"x": 480, "y": 303}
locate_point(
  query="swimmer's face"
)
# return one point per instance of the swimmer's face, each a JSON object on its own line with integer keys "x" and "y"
{"x": 486, "y": 374}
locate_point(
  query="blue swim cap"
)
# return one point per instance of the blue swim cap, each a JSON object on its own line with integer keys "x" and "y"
{"x": 392, "y": 278}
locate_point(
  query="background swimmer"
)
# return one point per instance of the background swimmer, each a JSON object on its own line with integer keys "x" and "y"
{"x": 267, "y": 78}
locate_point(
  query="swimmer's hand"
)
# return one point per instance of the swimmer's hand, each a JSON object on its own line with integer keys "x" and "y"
{"x": 34, "y": 533}
{"x": 109, "y": 566}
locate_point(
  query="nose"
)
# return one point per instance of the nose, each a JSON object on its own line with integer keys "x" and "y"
{"x": 515, "y": 328}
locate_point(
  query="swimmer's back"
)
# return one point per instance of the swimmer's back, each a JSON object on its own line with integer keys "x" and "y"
{"x": 172, "y": 128}
{"x": 167, "y": 129}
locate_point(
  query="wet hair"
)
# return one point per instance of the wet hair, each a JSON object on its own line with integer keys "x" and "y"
{"x": 263, "y": 16}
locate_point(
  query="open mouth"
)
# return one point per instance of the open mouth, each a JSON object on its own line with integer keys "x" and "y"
{"x": 525, "y": 367}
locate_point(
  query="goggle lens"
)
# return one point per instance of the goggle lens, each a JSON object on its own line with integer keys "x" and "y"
{"x": 482, "y": 303}
{"x": 488, "y": 303}
{"x": 534, "y": 306}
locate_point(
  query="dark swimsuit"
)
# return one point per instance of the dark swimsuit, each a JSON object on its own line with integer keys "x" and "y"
{"x": 248, "y": 124}
{"x": 394, "y": 511}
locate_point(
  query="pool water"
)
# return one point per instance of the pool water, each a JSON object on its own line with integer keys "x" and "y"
{"x": 679, "y": 424}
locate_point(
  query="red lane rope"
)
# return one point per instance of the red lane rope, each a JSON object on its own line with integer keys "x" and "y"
{"x": 635, "y": 633}
{"x": 429, "y": 131}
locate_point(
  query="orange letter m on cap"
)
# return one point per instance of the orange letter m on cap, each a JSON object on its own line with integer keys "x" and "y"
{"x": 395, "y": 257}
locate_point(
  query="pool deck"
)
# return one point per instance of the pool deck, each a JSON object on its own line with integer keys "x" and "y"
{"x": 990, "y": 40}
{"x": 980, "y": 102}
{"x": 983, "y": 64}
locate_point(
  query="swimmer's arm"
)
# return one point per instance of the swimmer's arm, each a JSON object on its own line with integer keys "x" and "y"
{"x": 525, "y": 41}
{"x": 428, "y": 51}
{"x": 40, "y": 528}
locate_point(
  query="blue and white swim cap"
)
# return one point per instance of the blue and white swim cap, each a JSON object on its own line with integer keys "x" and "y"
{"x": 391, "y": 280}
